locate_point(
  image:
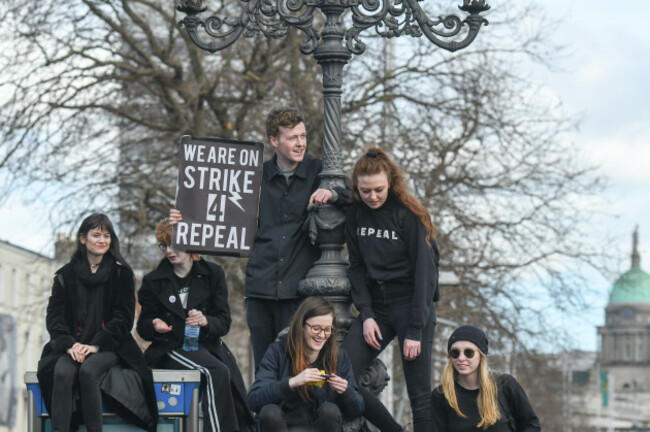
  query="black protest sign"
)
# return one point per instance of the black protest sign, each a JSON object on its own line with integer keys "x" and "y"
{"x": 218, "y": 195}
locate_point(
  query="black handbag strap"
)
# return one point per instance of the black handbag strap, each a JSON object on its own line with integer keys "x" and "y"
{"x": 504, "y": 407}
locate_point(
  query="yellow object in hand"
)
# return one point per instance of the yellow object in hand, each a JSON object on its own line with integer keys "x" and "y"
{"x": 319, "y": 383}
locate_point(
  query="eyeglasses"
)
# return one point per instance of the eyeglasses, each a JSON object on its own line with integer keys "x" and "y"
{"x": 455, "y": 353}
{"x": 163, "y": 247}
{"x": 316, "y": 329}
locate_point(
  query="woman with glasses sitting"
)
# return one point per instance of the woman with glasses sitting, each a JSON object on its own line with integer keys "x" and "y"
{"x": 471, "y": 398}
{"x": 185, "y": 289}
{"x": 304, "y": 381}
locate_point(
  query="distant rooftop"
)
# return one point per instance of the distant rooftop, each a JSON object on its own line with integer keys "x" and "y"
{"x": 24, "y": 250}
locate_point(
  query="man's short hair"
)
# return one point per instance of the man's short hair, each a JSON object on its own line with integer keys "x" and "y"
{"x": 286, "y": 117}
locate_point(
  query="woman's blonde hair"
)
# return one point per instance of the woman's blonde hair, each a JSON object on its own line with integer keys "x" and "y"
{"x": 488, "y": 404}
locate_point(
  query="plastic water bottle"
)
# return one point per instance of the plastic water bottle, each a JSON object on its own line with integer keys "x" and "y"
{"x": 191, "y": 340}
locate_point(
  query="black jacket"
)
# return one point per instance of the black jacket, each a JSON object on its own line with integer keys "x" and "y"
{"x": 118, "y": 312}
{"x": 517, "y": 414}
{"x": 209, "y": 294}
{"x": 158, "y": 299}
{"x": 282, "y": 252}
{"x": 271, "y": 386}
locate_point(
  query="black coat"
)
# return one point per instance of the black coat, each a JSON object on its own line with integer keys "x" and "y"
{"x": 209, "y": 294}
{"x": 118, "y": 312}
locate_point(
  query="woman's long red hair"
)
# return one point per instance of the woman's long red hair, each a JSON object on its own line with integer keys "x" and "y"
{"x": 375, "y": 161}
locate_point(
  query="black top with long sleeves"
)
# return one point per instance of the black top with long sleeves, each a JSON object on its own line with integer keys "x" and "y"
{"x": 521, "y": 414}
{"x": 389, "y": 245}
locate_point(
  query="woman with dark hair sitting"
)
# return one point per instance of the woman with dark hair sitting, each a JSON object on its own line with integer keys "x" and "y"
{"x": 185, "y": 289}
{"x": 305, "y": 382}
{"x": 471, "y": 398}
{"x": 92, "y": 357}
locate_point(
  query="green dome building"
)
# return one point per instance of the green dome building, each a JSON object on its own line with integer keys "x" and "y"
{"x": 634, "y": 285}
{"x": 625, "y": 337}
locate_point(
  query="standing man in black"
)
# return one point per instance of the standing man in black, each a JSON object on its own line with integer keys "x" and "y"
{"x": 282, "y": 252}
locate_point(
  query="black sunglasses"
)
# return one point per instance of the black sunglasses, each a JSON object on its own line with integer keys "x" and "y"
{"x": 455, "y": 353}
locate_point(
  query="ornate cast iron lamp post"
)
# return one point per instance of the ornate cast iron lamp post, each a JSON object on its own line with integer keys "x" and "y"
{"x": 332, "y": 46}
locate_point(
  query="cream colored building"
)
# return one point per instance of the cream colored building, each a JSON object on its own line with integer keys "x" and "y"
{"x": 624, "y": 357}
{"x": 25, "y": 283}
{"x": 625, "y": 346}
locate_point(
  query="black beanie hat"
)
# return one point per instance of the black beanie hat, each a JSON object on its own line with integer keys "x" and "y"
{"x": 471, "y": 334}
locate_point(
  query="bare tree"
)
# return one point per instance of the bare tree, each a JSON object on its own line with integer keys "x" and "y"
{"x": 486, "y": 150}
{"x": 96, "y": 95}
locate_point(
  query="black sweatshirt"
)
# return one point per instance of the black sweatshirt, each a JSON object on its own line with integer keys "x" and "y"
{"x": 521, "y": 414}
{"x": 389, "y": 245}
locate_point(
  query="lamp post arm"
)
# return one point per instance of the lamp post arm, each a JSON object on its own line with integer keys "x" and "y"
{"x": 222, "y": 31}
{"x": 451, "y": 23}
{"x": 408, "y": 18}
{"x": 373, "y": 13}
{"x": 272, "y": 19}
{"x": 304, "y": 22}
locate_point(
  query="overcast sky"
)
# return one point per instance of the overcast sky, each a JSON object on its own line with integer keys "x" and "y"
{"x": 606, "y": 77}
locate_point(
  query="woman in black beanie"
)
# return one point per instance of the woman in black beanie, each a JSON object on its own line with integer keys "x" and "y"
{"x": 471, "y": 398}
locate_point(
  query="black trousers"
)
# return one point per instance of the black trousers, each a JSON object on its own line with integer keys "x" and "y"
{"x": 86, "y": 375}
{"x": 392, "y": 316}
{"x": 265, "y": 319}
{"x": 217, "y": 403}
{"x": 327, "y": 418}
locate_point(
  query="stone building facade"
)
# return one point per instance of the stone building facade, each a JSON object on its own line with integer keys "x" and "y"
{"x": 621, "y": 369}
{"x": 625, "y": 345}
{"x": 25, "y": 283}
